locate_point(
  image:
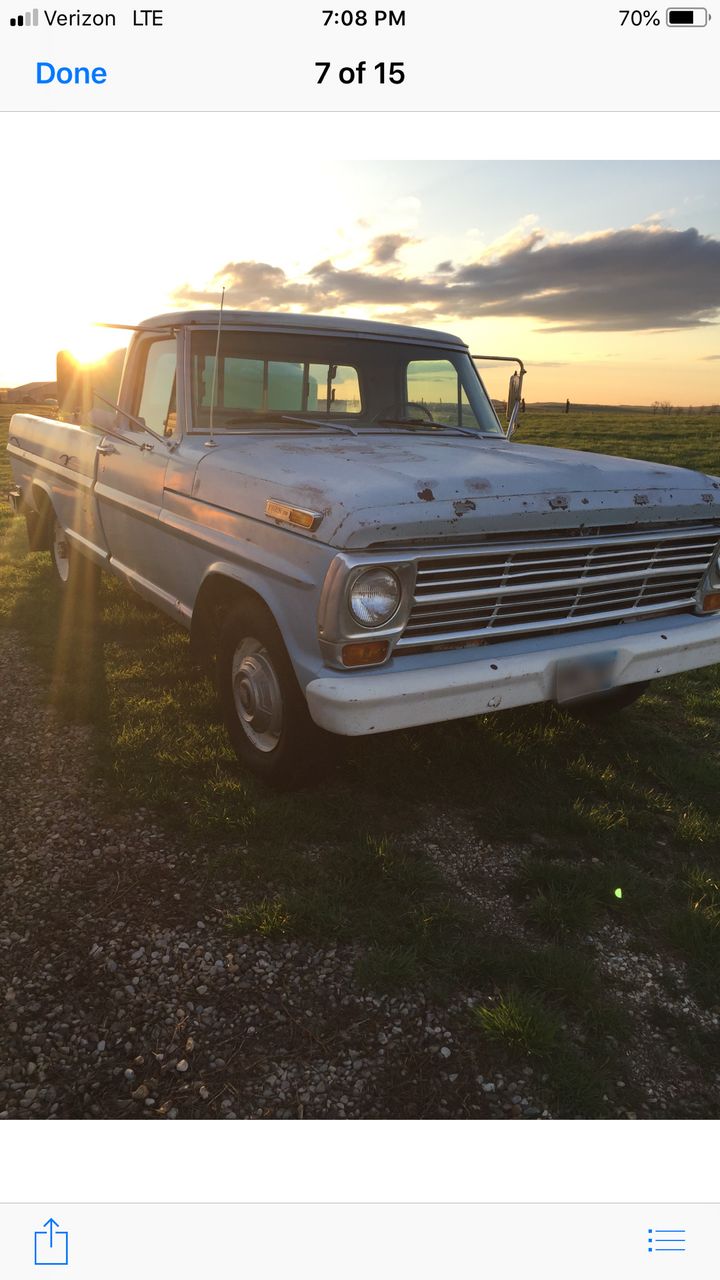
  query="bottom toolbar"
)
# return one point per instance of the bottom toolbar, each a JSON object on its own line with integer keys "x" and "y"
{"x": 357, "y": 1241}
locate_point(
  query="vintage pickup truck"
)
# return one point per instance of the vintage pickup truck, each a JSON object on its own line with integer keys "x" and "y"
{"x": 335, "y": 512}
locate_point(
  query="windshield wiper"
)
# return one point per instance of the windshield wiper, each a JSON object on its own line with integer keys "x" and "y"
{"x": 322, "y": 422}
{"x": 413, "y": 423}
{"x": 261, "y": 416}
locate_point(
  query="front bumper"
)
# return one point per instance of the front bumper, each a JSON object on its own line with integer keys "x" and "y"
{"x": 400, "y": 696}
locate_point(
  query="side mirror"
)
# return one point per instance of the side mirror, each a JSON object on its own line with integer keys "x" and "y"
{"x": 513, "y": 401}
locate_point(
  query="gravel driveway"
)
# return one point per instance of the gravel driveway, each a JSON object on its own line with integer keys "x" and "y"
{"x": 124, "y": 995}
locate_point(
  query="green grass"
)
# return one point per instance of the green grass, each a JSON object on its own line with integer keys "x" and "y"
{"x": 680, "y": 439}
{"x": 388, "y": 968}
{"x": 632, "y": 804}
{"x": 520, "y": 1023}
{"x": 694, "y": 928}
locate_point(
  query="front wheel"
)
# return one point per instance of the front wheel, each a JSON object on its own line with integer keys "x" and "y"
{"x": 263, "y": 707}
{"x": 607, "y": 704}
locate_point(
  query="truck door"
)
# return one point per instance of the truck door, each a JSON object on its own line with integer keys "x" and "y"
{"x": 131, "y": 472}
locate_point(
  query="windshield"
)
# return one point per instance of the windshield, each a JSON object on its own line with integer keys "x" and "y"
{"x": 266, "y": 381}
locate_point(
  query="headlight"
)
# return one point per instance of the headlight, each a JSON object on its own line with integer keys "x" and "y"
{"x": 374, "y": 597}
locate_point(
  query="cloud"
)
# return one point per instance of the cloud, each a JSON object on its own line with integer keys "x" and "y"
{"x": 638, "y": 278}
{"x": 710, "y": 357}
{"x": 385, "y": 249}
{"x": 254, "y": 285}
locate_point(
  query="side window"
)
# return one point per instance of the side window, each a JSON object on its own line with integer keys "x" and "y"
{"x": 435, "y": 384}
{"x": 157, "y": 398}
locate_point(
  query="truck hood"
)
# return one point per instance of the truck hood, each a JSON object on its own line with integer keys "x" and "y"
{"x": 371, "y": 489}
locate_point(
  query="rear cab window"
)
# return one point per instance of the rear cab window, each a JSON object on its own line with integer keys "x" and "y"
{"x": 263, "y": 385}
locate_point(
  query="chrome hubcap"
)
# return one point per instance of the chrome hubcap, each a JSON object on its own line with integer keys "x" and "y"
{"x": 61, "y": 552}
{"x": 256, "y": 690}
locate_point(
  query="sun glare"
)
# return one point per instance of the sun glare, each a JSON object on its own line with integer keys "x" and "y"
{"x": 90, "y": 342}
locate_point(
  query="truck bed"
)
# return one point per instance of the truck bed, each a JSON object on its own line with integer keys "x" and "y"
{"x": 59, "y": 459}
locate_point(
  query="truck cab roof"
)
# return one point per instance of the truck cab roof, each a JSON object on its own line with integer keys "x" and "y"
{"x": 284, "y": 322}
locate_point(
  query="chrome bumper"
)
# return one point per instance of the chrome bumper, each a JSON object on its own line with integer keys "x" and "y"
{"x": 397, "y": 697}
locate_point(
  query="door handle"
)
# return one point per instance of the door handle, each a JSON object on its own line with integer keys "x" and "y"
{"x": 106, "y": 448}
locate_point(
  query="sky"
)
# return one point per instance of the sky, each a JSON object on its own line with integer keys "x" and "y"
{"x": 603, "y": 276}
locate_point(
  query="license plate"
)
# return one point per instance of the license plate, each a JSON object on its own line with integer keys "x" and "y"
{"x": 584, "y": 677}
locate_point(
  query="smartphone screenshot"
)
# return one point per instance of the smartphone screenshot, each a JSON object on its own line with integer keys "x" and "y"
{"x": 360, "y": 640}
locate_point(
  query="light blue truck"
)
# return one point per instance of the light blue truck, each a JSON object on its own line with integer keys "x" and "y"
{"x": 353, "y": 539}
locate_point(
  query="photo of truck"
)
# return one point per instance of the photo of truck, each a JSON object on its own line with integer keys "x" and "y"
{"x": 353, "y": 537}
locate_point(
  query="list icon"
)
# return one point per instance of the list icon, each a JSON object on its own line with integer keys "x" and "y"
{"x": 666, "y": 1239}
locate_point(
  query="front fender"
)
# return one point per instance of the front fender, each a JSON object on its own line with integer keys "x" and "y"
{"x": 292, "y": 597}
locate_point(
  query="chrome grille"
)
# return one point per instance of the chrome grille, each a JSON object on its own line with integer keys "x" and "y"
{"x": 547, "y": 584}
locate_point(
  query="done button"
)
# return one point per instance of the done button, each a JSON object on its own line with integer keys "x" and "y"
{"x": 47, "y": 72}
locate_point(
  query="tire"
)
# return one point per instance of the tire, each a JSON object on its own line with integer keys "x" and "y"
{"x": 38, "y": 532}
{"x": 74, "y": 574}
{"x": 263, "y": 707}
{"x": 607, "y": 704}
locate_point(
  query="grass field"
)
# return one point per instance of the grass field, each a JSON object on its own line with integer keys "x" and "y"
{"x": 609, "y": 833}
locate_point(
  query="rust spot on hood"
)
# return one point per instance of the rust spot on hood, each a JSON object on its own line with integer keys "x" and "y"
{"x": 707, "y": 497}
{"x": 559, "y": 504}
{"x": 426, "y": 495}
{"x": 461, "y": 507}
{"x": 641, "y": 500}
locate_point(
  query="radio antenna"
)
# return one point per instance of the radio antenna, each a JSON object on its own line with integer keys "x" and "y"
{"x": 213, "y": 393}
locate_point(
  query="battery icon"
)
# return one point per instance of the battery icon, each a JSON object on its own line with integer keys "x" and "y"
{"x": 687, "y": 17}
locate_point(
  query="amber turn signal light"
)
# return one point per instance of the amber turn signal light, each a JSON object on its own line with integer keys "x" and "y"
{"x": 711, "y": 602}
{"x": 365, "y": 654}
{"x": 292, "y": 515}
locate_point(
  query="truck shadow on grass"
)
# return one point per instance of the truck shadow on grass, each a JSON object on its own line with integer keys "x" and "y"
{"x": 478, "y": 862}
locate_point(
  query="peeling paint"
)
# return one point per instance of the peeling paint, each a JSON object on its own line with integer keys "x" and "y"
{"x": 707, "y": 497}
{"x": 415, "y": 493}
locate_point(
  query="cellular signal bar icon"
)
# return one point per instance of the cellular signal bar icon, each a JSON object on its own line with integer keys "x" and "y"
{"x": 25, "y": 19}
